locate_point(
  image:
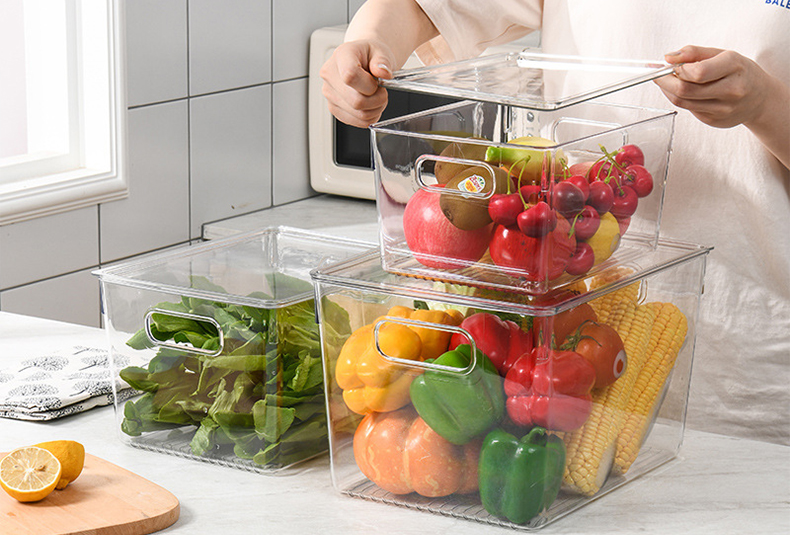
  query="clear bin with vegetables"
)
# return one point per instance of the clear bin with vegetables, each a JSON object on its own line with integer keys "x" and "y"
{"x": 220, "y": 341}
{"x": 500, "y": 408}
{"x": 529, "y": 184}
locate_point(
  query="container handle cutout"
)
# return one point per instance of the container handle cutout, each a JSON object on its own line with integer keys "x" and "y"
{"x": 472, "y": 192}
{"x": 600, "y": 127}
{"x": 149, "y": 321}
{"x": 451, "y": 370}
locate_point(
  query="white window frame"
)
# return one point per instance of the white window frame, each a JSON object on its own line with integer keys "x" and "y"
{"x": 93, "y": 171}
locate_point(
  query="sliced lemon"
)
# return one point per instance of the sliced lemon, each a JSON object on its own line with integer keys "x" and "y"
{"x": 29, "y": 474}
{"x": 71, "y": 455}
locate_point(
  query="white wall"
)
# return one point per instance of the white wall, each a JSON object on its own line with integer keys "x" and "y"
{"x": 208, "y": 83}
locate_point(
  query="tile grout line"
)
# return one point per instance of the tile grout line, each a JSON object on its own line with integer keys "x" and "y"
{"x": 189, "y": 131}
{"x": 271, "y": 103}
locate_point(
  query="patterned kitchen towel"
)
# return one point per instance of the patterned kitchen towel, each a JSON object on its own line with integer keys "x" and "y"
{"x": 59, "y": 383}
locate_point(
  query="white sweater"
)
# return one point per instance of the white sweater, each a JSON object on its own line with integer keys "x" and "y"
{"x": 724, "y": 188}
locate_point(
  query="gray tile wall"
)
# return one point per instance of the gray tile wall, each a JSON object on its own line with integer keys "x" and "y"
{"x": 217, "y": 127}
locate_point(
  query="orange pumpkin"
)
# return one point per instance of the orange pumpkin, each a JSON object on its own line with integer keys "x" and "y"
{"x": 401, "y": 454}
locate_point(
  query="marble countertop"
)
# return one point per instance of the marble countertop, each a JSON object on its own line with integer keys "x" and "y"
{"x": 718, "y": 484}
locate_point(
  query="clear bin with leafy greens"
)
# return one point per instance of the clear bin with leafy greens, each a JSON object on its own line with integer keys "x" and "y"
{"x": 220, "y": 340}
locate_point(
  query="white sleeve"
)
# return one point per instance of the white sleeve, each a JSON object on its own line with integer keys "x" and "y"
{"x": 468, "y": 27}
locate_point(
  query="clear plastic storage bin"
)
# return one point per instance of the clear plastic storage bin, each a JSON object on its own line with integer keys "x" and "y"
{"x": 221, "y": 341}
{"x": 530, "y": 183}
{"x": 493, "y": 407}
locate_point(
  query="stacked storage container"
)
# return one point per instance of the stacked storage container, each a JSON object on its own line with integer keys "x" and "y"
{"x": 522, "y": 341}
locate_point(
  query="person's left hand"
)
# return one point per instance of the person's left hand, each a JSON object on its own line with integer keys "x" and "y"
{"x": 721, "y": 88}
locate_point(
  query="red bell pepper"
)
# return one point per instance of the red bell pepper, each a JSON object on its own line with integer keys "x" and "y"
{"x": 550, "y": 389}
{"x": 502, "y": 341}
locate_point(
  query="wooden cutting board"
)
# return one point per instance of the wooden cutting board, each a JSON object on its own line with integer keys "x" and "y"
{"x": 104, "y": 500}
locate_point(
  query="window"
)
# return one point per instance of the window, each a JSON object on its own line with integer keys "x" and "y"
{"x": 61, "y": 106}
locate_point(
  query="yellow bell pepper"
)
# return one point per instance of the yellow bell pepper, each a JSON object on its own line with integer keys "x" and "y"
{"x": 371, "y": 383}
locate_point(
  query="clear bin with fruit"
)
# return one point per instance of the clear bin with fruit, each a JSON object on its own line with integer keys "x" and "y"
{"x": 528, "y": 186}
{"x": 513, "y": 411}
{"x": 220, "y": 345}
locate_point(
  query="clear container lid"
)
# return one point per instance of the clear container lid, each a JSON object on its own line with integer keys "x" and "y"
{"x": 365, "y": 272}
{"x": 528, "y": 79}
{"x": 269, "y": 268}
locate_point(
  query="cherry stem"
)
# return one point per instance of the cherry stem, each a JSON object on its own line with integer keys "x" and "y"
{"x": 526, "y": 160}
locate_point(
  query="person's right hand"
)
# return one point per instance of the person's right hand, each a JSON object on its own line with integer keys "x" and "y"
{"x": 351, "y": 83}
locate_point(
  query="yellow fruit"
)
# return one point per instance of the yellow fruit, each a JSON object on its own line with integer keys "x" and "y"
{"x": 71, "y": 455}
{"x": 606, "y": 239}
{"x": 29, "y": 474}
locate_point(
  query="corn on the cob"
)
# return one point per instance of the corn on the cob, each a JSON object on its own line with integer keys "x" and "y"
{"x": 603, "y": 305}
{"x": 577, "y": 287}
{"x": 590, "y": 450}
{"x": 669, "y": 331}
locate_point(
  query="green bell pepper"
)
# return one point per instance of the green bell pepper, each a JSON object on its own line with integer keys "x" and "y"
{"x": 520, "y": 478}
{"x": 459, "y": 406}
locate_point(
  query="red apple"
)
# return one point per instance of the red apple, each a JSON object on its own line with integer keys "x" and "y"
{"x": 623, "y": 224}
{"x": 434, "y": 241}
{"x": 580, "y": 168}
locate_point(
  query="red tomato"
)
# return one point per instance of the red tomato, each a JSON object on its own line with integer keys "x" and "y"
{"x": 562, "y": 325}
{"x": 602, "y": 347}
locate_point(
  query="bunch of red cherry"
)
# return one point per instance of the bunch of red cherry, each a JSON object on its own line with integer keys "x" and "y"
{"x": 586, "y": 191}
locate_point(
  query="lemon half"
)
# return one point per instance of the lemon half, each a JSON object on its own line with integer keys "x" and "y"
{"x": 29, "y": 474}
{"x": 71, "y": 455}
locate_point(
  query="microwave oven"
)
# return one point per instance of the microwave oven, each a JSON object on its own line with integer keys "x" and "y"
{"x": 339, "y": 154}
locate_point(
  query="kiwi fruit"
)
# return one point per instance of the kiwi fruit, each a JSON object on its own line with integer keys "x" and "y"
{"x": 445, "y": 171}
{"x": 471, "y": 212}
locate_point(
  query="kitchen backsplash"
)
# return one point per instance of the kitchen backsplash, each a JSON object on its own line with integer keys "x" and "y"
{"x": 217, "y": 127}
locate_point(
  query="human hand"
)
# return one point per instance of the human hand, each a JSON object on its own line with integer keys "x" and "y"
{"x": 351, "y": 83}
{"x": 721, "y": 88}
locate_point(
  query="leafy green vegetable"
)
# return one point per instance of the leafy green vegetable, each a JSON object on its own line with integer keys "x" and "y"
{"x": 262, "y": 396}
